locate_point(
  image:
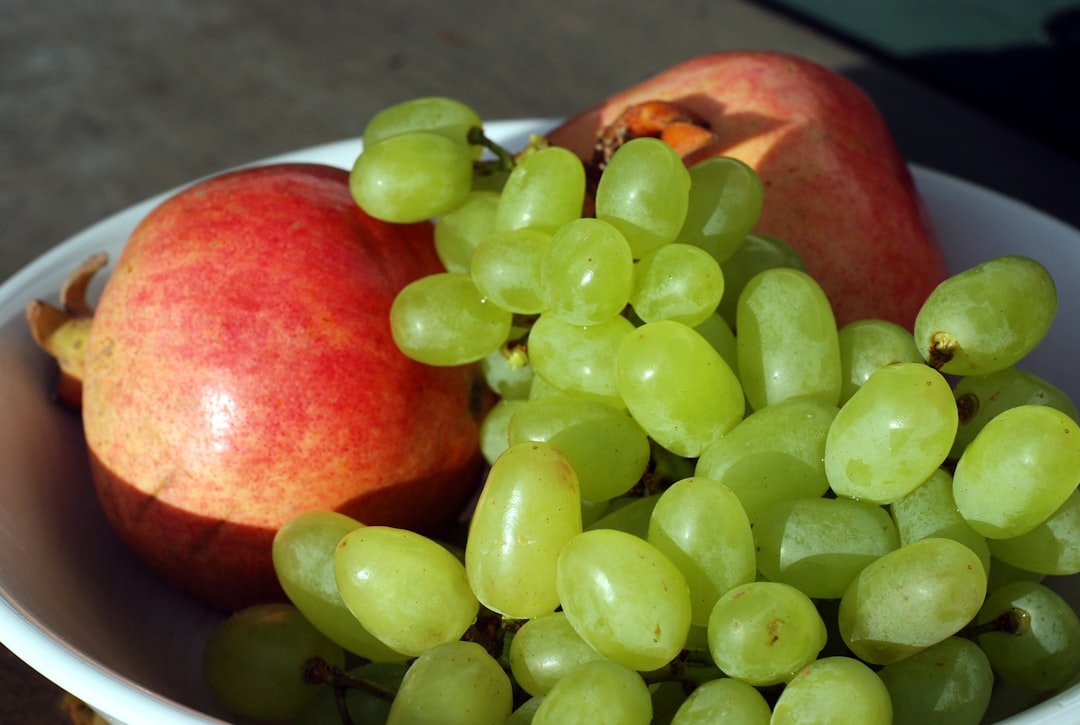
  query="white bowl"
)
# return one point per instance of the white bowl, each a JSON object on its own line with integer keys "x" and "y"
{"x": 77, "y": 607}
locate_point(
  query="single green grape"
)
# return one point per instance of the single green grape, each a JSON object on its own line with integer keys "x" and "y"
{"x": 506, "y": 269}
{"x": 834, "y": 690}
{"x": 755, "y": 254}
{"x": 579, "y": 359}
{"x": 981, "y": 397}
{"x": 724, "y": 701}
{"x": 726, "y": 196}
{"x": 764, "y": 632}
{"x": 508, "y": 372}
{"x": 1035, "y": 644}
{"x": 597, "y": 693}
{"x": 1018, "y": 471}
{"x": 774, "y": 454}
{"x": 605, "y": 446}
{"x": 254, "y": 661}
{"x": 1051, "y": 548}
{"x": 632, "y": 516}
{"x": 405, "y": 589}
{"x": 442, "y": 319}
{"x": 459, "y": 231}
{"x": 911, "y": 598}
{"x": 786, "y": 339}
{"x": 412, "y": 177}
{"x": 948, "y": 683}
{"x": 988, "y": 317}
{"x": 644, "y": 191}
{"x": 624, "y": 597}
{"x": 447, "y": 116}
{"x": 545, "y": 650}
{"x": 818, "y": 545}
{"x": 866, "y": 345}
{"x": 718, "y": 334}
{"x": 456, "y": 683}
{"x": 545, "y": 190}
{"x": 678, "y": 282}
{"x": 526, "y": 711}
{"x": 303, "y": 556}
{"x": 587, "y": 272}
{"x": 930, "y": 510}
{"x": 677, "y": 387}
{"x": 495, "y": 428}
{"x": 529, "y": 507}
{"x": 894, "y": 432}
{"x": 700, "y": 525}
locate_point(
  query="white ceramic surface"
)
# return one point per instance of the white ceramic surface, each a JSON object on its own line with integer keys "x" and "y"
{"x": 77, "y": 607}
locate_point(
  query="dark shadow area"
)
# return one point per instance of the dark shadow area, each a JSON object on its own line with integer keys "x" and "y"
{"x": 1035, "y": 88}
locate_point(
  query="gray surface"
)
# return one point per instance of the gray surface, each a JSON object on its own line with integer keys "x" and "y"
{"x": 105, "y": 103}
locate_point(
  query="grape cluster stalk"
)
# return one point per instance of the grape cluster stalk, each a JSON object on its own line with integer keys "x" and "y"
{"x": 706, "y": 502}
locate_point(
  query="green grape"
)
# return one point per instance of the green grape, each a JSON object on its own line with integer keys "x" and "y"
{"x": 948, "y": 683}
{"x": 644, "y": 191}
{"x": 755, "y": 254}
{"x": 525, "y": 712}
{"x": 718, "y": 333}
{"x": 786, "y": 339}
{"x": 545, "y": 190}
{"x": 632, "y": 517}
{"x": 592, "y": 511}
{"x": 726, "y": 196}
{"x": 677, "y": 282}
{"x": 363, "y": 706}
{"x": 597, "y": 693}
{"x": 587, "y": 272}
{"x": 1034, "y": 642}
{"x": 763, "y": 632}
{"x": 507, "y": 372}
{"x": 303, "y": 556}
{"x": 981, "y": 397}
{"x": 606, "y": 447}
{"x": 541, "y": 388}
{"x": 624, "y": 597}
{"x": 930, "y": 510}
{"x": 724, "y": 701}
{"x": 866, "y": 345}
{"x": 406, "y": 589}
{"x": 834, "y": 691}
{"x": 700, "y": 525}
{"x": 254, "y": 661}
{"x": 442, "y": 319}
{"x": 456, "y": 683}
{"x": 893, "y": 433}
{"x": 1002, "y": 573}
{"x": 988, "y": 317}
{"x": 579, "y": 359}
{"x": 495, "y": 428}
{"x": 506, "y": 269}
{"x": 774, "y": 454}
{"x": 446, "y": 116}
{"x": 818, "y": 545}
{"x": 529, "y": 507}
{"x": 677, "y": 387}
{"x": 412, "y": 177}
{"x": 1052, "y": 547}
{"x": 459, "y": 231}
{"x": 545, "y": 650}
{"x": 1018, "y": 471}
{"x": 911, "y": 598}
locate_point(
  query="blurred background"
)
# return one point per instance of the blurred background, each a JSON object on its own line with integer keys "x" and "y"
{"x": 105, "y": 103}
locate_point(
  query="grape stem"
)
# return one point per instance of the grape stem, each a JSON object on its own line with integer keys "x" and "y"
{"x": 504, "y": 160}
{"x": 1014, "y": 621}
{"x": 318, "y": 671}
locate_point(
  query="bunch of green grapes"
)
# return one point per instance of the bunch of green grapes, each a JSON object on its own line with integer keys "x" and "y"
{"x": 706, "y": 502}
